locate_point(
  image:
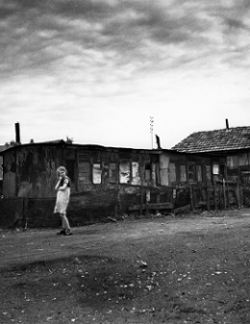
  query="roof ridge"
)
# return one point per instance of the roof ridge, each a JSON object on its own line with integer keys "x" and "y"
{"x": 220, "y": 129}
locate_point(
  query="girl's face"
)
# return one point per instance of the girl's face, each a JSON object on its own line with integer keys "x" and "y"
{"x": 61, "y": 174}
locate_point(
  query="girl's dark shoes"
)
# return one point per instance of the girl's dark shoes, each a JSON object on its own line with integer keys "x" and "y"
{"x": 65, "y": 232}
{"x": 62, "y": 232}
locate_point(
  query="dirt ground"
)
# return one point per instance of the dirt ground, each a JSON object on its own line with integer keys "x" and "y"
{"x": 190, "y": 269}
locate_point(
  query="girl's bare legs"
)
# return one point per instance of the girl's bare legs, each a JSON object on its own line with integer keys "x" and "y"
{"x": 65, "y": 225}
{"x": 65, "y": 222}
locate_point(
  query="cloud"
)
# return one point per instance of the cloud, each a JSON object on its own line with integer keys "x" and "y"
{"x": 116, "y": 40}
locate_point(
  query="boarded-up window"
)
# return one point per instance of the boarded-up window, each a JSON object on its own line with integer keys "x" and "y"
{"x": 208, "y": 172}
{"x": 183, "y": 177}
{"x": 97, "y": 173}
{"x": 191, "y": 171}
{"x": 84, "y": 172}
{"x": 113, "y": 172}
{"x": 172, "y": 172}
{"x": 216, "y": 168}
{"x": 136, "y": 178}
{"x": 124, "y": 172}
{"x": 199, "y": 173}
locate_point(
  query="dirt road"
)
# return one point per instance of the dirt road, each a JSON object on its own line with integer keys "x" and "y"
{"x": 25, "y": 247}
{"x": 166, "y": 270}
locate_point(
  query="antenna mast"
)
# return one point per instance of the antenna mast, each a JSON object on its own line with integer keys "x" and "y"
{"x": 152, "y": 129}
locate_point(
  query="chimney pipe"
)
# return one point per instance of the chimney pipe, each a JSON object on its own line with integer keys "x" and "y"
{"x": 227, "y": 124}
{"x": 17, "y": 129}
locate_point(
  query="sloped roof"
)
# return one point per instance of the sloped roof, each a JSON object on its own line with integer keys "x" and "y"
{"x": 58, "y": 141}
{"x": 3, "y": 147}
{"x": 217, "y": 140}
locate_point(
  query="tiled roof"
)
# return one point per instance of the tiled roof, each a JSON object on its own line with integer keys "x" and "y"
{"x": 217, "y": 140}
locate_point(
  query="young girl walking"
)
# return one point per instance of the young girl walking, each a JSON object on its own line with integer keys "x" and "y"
{"x": 62, "y": 199}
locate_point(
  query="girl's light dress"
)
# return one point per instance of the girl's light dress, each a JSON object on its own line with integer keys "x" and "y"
{"x": 62, "y": 197}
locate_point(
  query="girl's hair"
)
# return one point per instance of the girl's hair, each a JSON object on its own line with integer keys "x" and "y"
{"x": 61, "y": 169}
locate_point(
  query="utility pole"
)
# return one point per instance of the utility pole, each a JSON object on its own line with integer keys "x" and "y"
{"x": 152, "y": 129}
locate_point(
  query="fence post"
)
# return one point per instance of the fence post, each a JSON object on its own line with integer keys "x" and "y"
{"x": 191, "y": 197}
{"x": 226, "y": 198}
{"x": 226, "y": 185}
{"x": 147, "y": 201}
{"x": 141, "y": 201}
{"x": 239, "y": 194}
{"x": 208, "y": 197}
{"x": 215, "y": 201}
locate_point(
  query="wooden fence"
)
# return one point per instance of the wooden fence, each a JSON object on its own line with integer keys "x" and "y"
{"x": 85, "y": 209}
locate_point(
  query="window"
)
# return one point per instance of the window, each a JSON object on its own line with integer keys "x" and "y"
{"x": 124, "y": 172}
{"x": 136, "y": 177}
{"x": 113, "y": 172}
{"x": 191, "y": 171}
{"x": 97, "y": 173}
{"x": 243, "y": 159}
{"x": 183, "y": 177}
{"x": 147, "y": 172}
{"x": 172, "y": 172}
{"x": 84, "y": 168}
{"x": 208, "y": 172}
{"x": 216, "y": 168}
{"x": 232, "y": 161}
{"x": 70, "y": 166}
{"x": 199, "y": 173}
{"x": 84, "y": 173}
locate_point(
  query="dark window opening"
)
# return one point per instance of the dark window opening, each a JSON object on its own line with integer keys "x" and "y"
{"x": 199, "y": 173}
{"x": 113, "y": 172}
{"x": 208, "y": 172}
{"x": 147, "y": 172}
{"x": 70, "y": 166}
{"x": 191, "y": 172}
{"x": 183, "y": 173}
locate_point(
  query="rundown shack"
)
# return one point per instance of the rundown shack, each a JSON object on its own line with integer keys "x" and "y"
{"x": 230, "y": 150}
{"x": 107, "y": 182}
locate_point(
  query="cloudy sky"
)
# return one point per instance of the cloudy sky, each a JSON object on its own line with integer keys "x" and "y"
{"x": 96, "y": 70}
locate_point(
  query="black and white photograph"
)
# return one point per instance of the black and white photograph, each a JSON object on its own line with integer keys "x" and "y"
{"x": 125, "y": 161}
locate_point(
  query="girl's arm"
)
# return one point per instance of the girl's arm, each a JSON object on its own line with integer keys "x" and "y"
{"x": 64, "y": 186}
{"x": 58, "y": 184}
